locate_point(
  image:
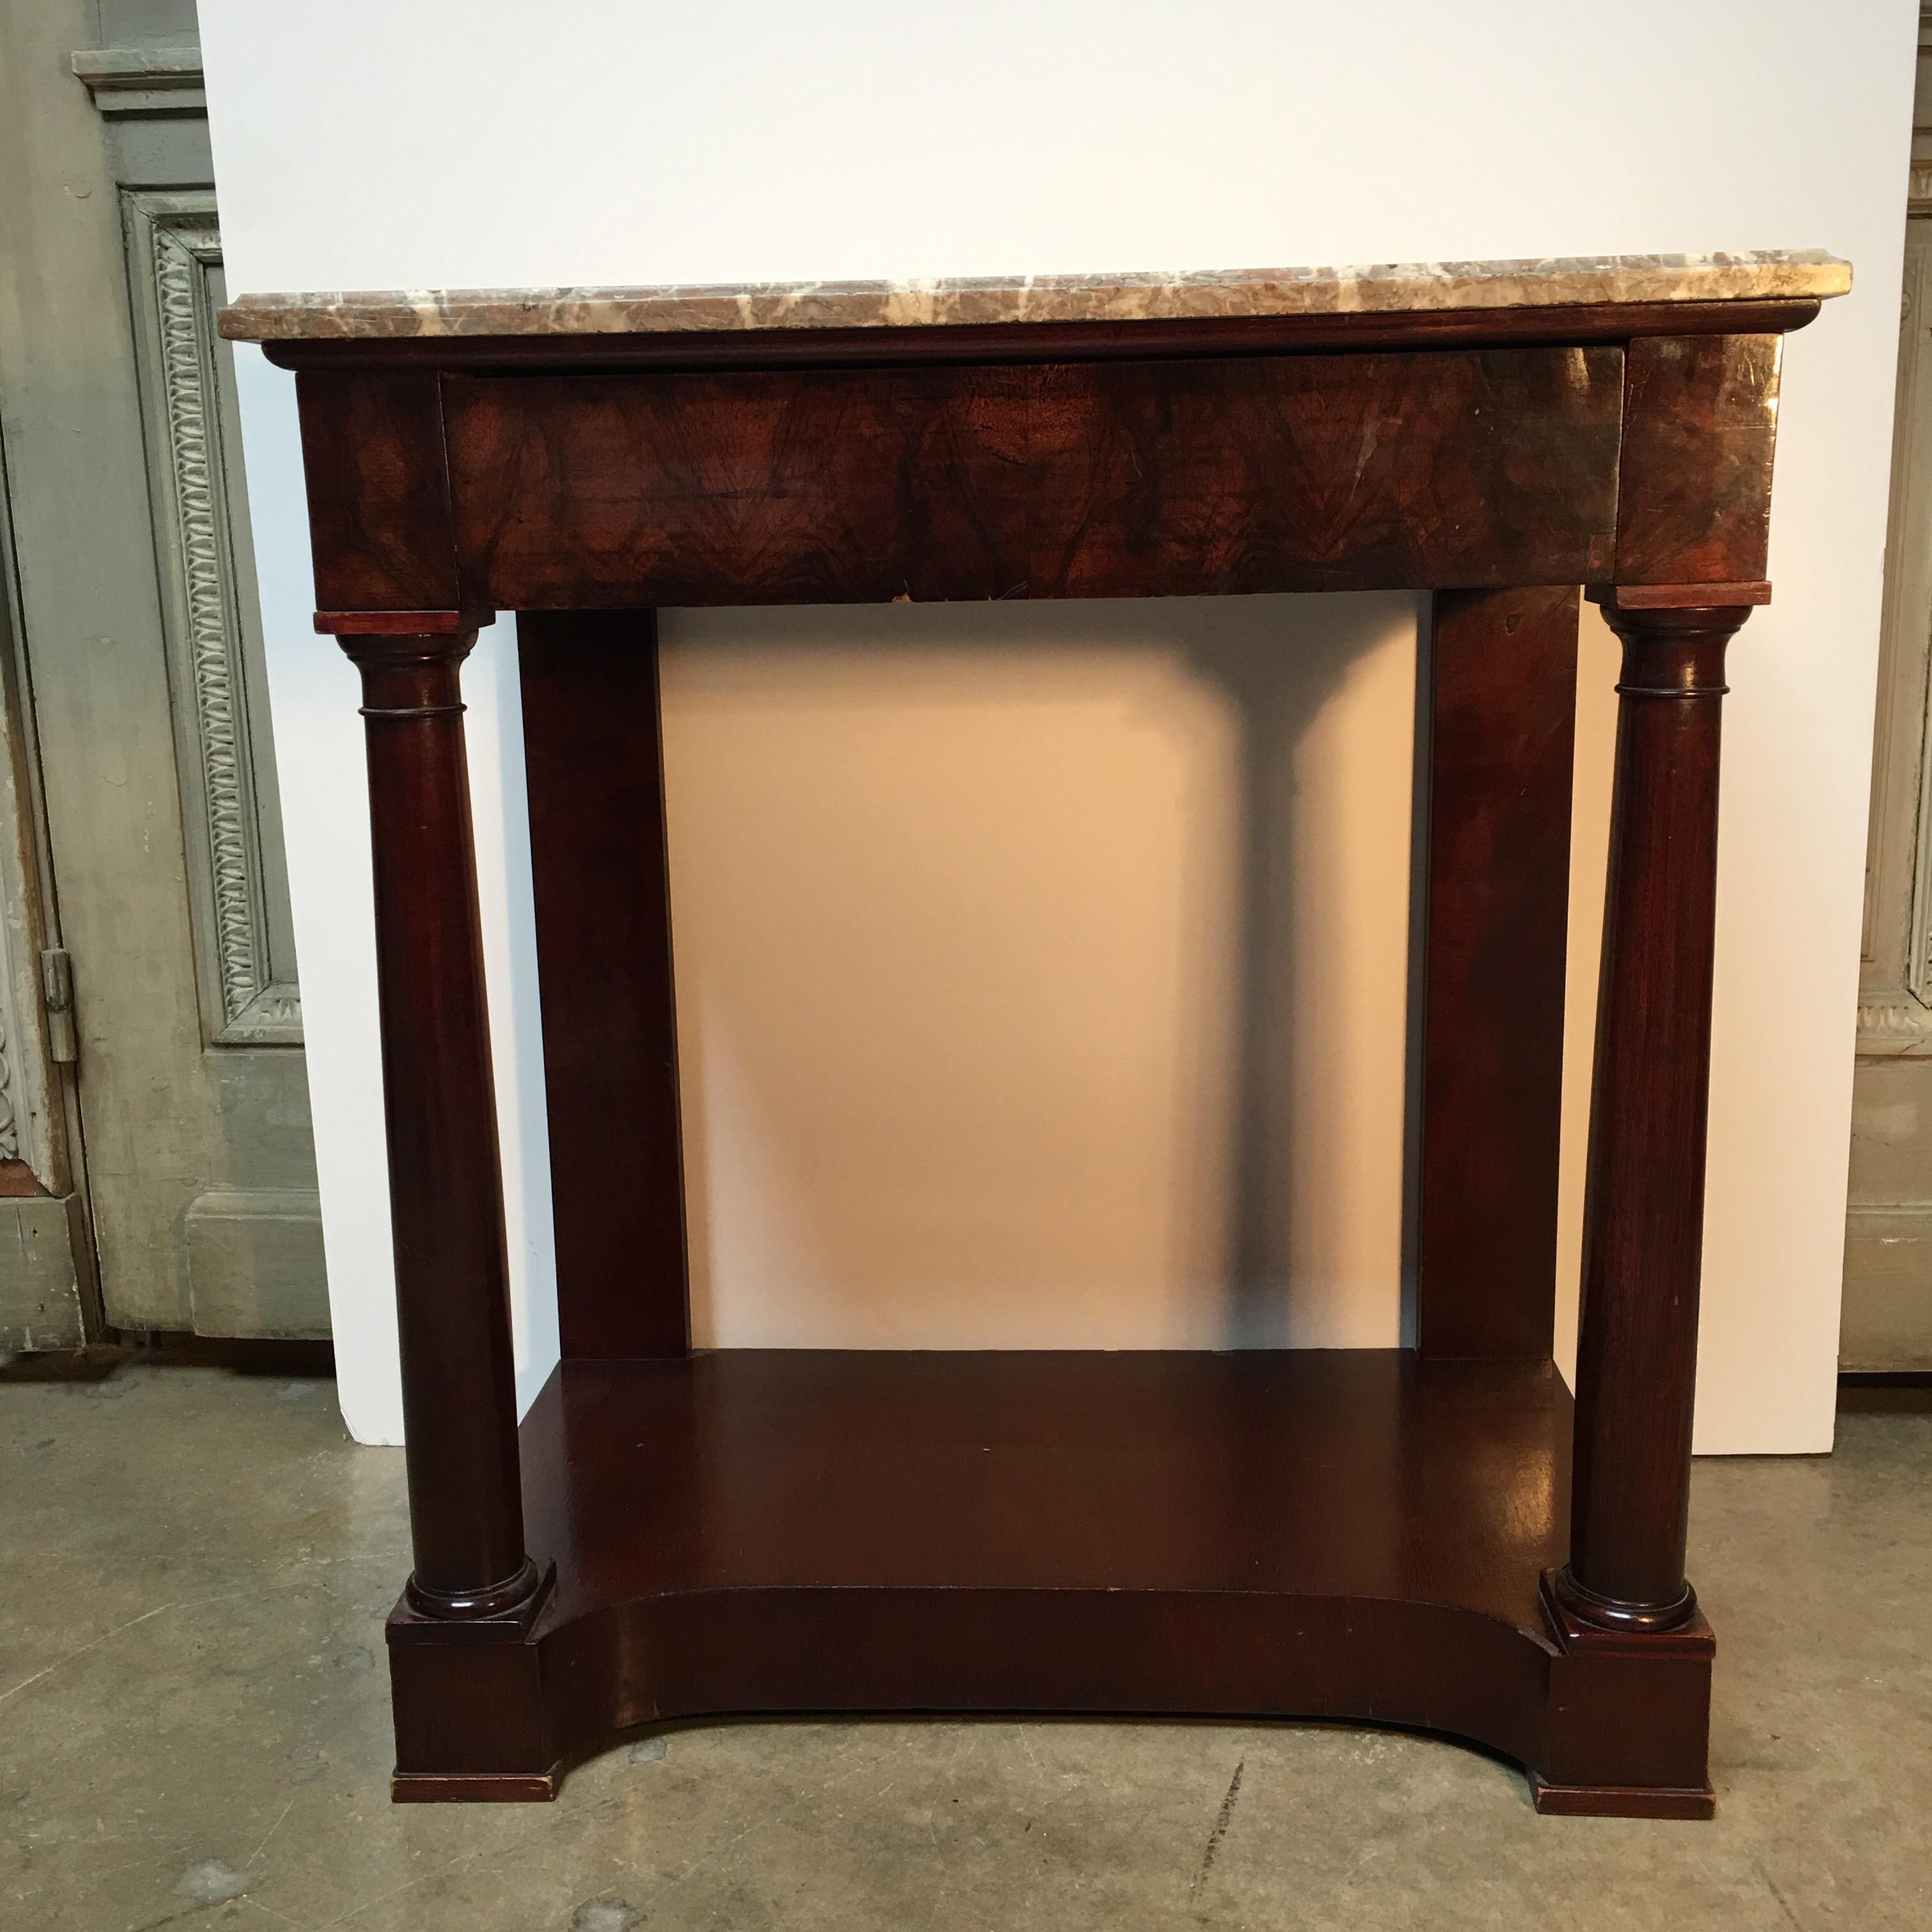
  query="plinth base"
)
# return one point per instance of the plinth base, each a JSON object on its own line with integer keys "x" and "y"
{"x": 1615, "y": 1801}
{"x": 1359, "y": 1535}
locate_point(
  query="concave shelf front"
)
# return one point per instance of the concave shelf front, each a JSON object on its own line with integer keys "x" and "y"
{"x": 1358, "y": 1534}
{"x": 1346, "y": 1534}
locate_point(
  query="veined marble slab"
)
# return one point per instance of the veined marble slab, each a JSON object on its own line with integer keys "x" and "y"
{"x": 1390, "y": 288}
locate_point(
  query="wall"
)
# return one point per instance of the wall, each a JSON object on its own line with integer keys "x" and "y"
{"x": 1041, "y": 967}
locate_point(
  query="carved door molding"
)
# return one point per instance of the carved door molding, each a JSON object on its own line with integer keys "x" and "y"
{"x": 245, "y": 967}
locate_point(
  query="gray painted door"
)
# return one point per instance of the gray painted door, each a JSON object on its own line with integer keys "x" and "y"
{"x": 136, "y": 609}
{"x": 1887, "y": 1308}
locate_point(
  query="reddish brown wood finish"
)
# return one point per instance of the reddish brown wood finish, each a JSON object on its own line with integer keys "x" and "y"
{"x": 1691, "y": 1804}
{"x": 1101, "y": 480}
{"x": 399, "y": 623}
{"x": 1620, "y": 1744}
{"x": 987, "y": 344}
{"x": 379, "y": 507}
{"x": 1644, "y": 1209}
{"x": 1332, "y": 1534}
{"x": 1502, "y": 729}
{"x": 447, "y": 1787}
{"x": 1700, "y": 422}
{"x": 1688, "y": 596}
{"x": 596, "y": 770}
{"x": 446, "y": 1203}
{"x": 1133, "y": 1532}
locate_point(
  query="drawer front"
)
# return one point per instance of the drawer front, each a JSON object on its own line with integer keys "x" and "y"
{"x": 1319, "y": 472}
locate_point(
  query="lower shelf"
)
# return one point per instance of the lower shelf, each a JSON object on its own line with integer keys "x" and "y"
{"x": 1354, "y": 1534}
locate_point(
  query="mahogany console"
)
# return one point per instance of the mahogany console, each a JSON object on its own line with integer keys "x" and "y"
{"x": 1432, "y": 1537}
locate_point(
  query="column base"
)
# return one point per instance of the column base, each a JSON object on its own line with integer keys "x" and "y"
{"x": 471, "y": 1718}
{"x": 1629, "y": 1718}
{"x": 506, "y": 1609}
{"x": 1608, "y": 1613}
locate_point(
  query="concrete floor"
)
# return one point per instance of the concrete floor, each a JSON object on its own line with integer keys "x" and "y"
{"x": 194, "y": 1730}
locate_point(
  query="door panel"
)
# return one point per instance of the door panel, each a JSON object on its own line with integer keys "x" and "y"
{"x": 138, "y": 608}
{"x": 1887, "y": 1321}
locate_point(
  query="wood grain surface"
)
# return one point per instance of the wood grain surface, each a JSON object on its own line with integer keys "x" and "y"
{"x": 594, "y": 765}
{"x": 1700, "y": 427}
{"x": 1170, "y": 479}
{"x": 1374, "y": 1537}
{"x": 1501, "y": 716}
{"x": 1340, "y": 1533}
{"x": 1643, "y": 1215}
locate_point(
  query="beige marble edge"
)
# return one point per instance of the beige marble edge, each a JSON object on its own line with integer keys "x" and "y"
{"x": 1386, "y": 289}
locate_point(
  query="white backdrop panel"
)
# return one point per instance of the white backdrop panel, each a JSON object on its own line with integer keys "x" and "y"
{"x": 1171, "y": 838}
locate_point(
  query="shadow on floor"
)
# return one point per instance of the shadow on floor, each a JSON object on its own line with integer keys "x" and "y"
{"x": 97, "y": 1362}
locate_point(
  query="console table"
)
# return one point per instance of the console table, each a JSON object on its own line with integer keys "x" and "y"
{"x": 1429, "y": 1536}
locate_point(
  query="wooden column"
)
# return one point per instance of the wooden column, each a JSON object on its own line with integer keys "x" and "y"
{"x": 594, "y": 761}
{"x": 1500, "y": 730}
{"x": 459, "y": 1396}
{"x": 1644, "y": 1212}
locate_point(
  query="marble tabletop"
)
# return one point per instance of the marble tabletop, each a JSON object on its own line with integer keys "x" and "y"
{"x": 1388, "y": 288}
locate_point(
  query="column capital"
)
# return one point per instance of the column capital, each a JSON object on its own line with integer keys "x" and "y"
{"x": 401, "y": 623}
{"x": 1674, "y": 651}
{"x": 1629, "y": 597}
{"x": 408, "y": 674}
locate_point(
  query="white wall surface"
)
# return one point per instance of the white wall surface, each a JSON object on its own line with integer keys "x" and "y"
{"x": 1040, "y": 968}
